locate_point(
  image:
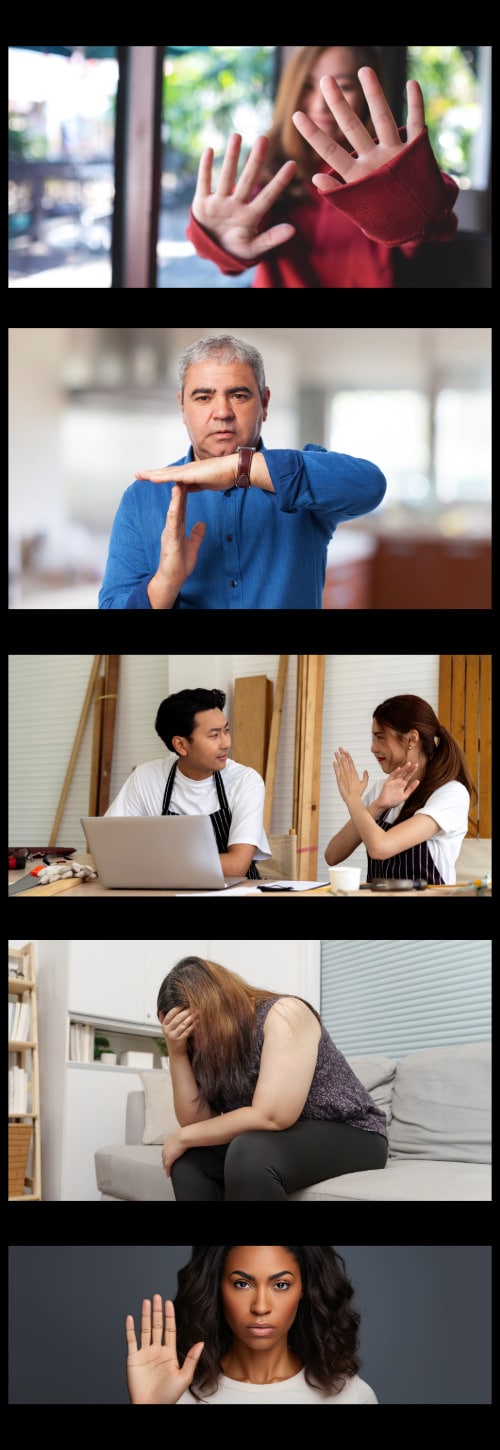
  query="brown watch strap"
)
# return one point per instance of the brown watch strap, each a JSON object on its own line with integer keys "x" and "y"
{"x": 244, "y": 466}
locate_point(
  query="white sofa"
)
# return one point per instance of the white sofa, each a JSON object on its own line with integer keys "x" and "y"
{"x": 437, "y": 1102}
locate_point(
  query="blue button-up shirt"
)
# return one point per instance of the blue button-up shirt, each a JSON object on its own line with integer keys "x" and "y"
{"x": 261, "y": 550}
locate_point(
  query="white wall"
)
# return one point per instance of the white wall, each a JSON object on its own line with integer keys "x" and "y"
{"x": 46, "y": 695}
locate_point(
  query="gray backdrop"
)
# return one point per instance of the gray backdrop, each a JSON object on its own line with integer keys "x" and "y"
{"x": 425, "y": 1310}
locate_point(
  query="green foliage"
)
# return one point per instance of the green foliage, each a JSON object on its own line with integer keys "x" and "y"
{"x": 206, "y": 93}
{"x": 452, "y": 109}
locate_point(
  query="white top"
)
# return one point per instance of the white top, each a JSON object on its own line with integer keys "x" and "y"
{"x": 295, "y": 1391}
{"x": 143, "y": 792}
{"x": 449, "y": 807}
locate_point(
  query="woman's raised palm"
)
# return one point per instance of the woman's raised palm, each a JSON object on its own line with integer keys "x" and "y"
{"x": 153, "y": 1373}
{"x": 232, "y": 214}
{"x": 399, "y": 785}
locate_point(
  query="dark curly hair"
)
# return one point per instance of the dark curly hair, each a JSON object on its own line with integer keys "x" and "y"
{"x": 324, "y": 1335}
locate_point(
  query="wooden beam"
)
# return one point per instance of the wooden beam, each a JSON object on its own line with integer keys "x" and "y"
{"x": 311, "y": 717}
{"x": 108, "y": 730}
{"x": 74, "y": 753}
{"x": 279, "y": 696}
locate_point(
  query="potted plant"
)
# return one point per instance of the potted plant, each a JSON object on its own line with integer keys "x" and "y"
{"x": 163, "y": 1051}
{"x": 103, "y": 1051}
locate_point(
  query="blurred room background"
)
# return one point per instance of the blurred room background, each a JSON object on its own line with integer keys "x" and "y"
{"x": 90, "y": 406}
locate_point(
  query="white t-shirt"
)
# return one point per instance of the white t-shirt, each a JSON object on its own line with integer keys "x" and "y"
{"x": 449, "y": 807}
{"x": 143, "y": 792}
{"x": 295, "y": 1391}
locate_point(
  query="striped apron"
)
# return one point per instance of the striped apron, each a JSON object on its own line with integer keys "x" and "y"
{"x": 221, "y": 820}
{"x": 415, "y": 864}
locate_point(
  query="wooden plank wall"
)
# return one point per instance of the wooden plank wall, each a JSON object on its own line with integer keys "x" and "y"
{"x": 465, "y": 710}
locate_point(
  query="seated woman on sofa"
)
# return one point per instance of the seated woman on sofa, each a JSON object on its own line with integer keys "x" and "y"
{"x": 265, "y": 1101}
{"x": 413, "y": 823}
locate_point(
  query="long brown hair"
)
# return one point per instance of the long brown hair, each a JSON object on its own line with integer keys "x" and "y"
{"x": 445, "y": 759}
{"x": 285, "y": 142}
{"x": 226, "y": 1007}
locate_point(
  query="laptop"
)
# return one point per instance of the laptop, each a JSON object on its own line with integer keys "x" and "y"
{"x": 174, "y": 853}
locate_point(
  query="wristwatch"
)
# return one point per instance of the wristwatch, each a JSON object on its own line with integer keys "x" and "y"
{"x": 244, "y": 466}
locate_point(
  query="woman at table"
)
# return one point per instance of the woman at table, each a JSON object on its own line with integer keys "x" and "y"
{"x": 266, "y": 1103}
{"x": 413, "y": 822}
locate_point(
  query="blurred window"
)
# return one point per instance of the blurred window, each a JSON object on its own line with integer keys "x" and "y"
{"x": 209, "y": 91}
{"x": 61, "y": 165}
{"x": 455, "y": 82}
{"x": 463, "y": 444}
{"x": 391, "y": 428}
{"x": 426, "y": 460}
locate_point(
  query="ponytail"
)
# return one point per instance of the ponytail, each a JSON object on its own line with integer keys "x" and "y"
{"x": 445, "y": 758}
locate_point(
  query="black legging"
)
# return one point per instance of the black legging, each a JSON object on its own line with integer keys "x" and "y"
{"x": 264, "y": 1165}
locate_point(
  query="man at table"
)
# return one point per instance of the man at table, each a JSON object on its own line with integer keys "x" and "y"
{"x": 203, "y": 780}
{"x": 232, "y": 525}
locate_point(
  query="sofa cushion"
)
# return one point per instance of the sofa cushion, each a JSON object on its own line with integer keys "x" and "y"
{"x": 377, "y": 1074}
{"x": 133, "y": 1173}
{"x": 441, "y": 1105}
{"x": 405, "y": 1181}
{"x": 160, "y": 1119}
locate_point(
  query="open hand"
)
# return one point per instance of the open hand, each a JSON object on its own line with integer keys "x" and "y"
{"x": 153, "y": 1373}
{"x": 349, "y": 783}
{"x": 212, "y": 473}
{"x": 370, "y": 156}
{"x": 229, "y": 214}
{"x": 178, "y": 1026}
{"x": 399, "y": 785}
{"x": 178, "y": 553}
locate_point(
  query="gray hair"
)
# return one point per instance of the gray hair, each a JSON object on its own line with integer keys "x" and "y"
{"x": 228, "y": 349}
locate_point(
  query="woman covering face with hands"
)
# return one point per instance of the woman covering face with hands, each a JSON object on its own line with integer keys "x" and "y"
{"x": 335, "y": 186}
{"x": 265, "y": 1102}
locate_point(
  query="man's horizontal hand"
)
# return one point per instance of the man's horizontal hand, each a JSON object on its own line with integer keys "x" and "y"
{"x": 216, "y": 474}
{"x": 212, "y": 473}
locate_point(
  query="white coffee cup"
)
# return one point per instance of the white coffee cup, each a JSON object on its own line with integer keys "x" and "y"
{"x": 345, "y": 878}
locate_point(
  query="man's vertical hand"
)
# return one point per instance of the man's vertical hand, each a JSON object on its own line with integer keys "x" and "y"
{"x": 179, "y": 554}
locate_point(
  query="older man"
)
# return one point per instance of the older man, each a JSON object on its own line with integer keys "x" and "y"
{"x": 232, "y": 525}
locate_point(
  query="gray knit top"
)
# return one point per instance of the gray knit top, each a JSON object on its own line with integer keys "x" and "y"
{"x": 335, "y": 1094}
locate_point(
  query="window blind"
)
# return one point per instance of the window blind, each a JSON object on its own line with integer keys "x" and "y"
{"x": 397, "y": 996}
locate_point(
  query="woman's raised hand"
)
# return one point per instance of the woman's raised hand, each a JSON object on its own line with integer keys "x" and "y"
{"x": 177, "y": 1028}
{"x": 399, "y": 785}
{"x": 348, "y": 781}
{"x": 229, "y": 214}
{"x": 153, "y": 1373}
{"x": 370, "y": 156}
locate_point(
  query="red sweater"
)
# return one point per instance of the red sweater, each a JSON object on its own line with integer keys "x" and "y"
{"x": 344, "y": 239}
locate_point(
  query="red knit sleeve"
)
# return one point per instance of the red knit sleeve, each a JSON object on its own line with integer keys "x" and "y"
{"x": 407, "y": 200}
{"x": 206, "y": 247}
